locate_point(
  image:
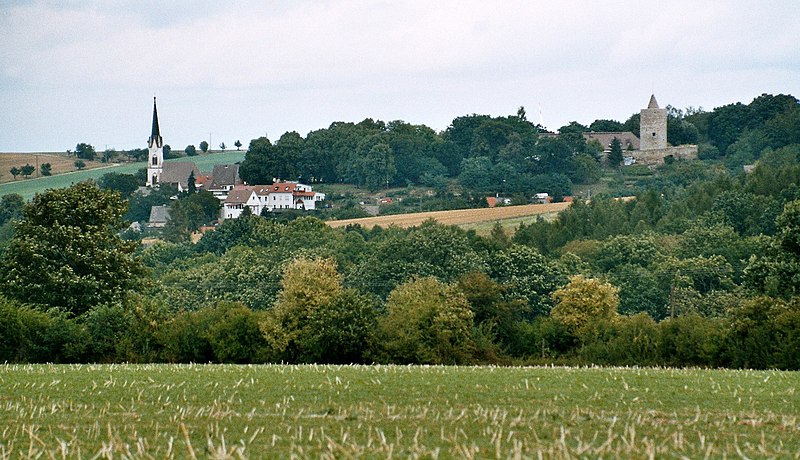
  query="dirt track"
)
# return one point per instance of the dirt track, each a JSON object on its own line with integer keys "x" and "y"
{"x": 457, "y": 217}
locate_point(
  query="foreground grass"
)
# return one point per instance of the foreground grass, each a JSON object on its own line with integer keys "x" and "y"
{"x": 171, "y": 411}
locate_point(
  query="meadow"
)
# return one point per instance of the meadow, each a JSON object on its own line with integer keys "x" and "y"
{"x": 309, "y": 411}
{"x": 61, "y": 179}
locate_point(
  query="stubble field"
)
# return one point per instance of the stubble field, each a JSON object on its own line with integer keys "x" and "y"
{"x": 277, "y": 411}
{"x": 456, "y": 217}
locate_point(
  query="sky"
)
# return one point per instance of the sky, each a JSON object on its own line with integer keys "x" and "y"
{"x": 87, "y": 71}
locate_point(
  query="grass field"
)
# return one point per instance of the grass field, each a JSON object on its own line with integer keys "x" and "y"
{"x": 276, "y": 411}
{"x": 461, "y": 217}
{"x": 66, "y": 177}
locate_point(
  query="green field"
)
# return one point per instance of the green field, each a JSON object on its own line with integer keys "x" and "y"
{"x": 29, "y": 187}
{"x": 277, "y": 411}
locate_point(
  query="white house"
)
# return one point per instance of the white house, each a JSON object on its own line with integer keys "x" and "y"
{"x": 239, "y": 198}
{"x": 272, "y": 198}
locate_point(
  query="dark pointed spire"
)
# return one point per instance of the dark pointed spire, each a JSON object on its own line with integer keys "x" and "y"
{"x": 155, "y": 134}
{"x": 653, "y": 103}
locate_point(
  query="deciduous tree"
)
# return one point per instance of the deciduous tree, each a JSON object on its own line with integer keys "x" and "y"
{"x": 66, "y": 252}
{"x": 584, "y": 302}
{"x": 427, "y": 322}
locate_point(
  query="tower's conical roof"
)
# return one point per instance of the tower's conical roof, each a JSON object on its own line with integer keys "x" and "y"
{"x": 155, "y": 134}
{"x": 653, "y": 103}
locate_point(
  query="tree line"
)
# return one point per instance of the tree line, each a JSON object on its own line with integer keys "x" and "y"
{"x": 700, "y": 269}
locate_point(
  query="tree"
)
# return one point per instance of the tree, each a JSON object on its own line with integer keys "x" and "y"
{"x": 238, "y": 144}
{"x": 527, "y": 275}
{"x": 27, "y": 170}
{"x": 66, "y": 252}
{"x": 190, "y": 150}
{"x": 615, "y": 155}
{"x": 169, "y": 154}
{"x": 15, "y": 171}
{"x": 11, "y": 207}
{"x": 585, "y": 302}
{"x": 108, "y": 154}
{"x": 125, "y": 184}
{"x": 427, "y": 322}
{"x": 45, "y": 169}
{"x": 600, "y": 126}
{"x": 222, "y": 146}
{"x": 315, "y": 320}
{"x": 192, "y": 183}
{"x": 85, "y": 151}
{"x": 80, "y": 164}
{"x": 204, "y": 146}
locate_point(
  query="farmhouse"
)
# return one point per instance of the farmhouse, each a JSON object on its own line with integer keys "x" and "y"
{"x": 271, "y": 198}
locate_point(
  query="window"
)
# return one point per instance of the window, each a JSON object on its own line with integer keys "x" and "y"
{"x": 155, "y": 160}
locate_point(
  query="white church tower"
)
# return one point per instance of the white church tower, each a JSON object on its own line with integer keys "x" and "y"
{"x": 155, "y": 147}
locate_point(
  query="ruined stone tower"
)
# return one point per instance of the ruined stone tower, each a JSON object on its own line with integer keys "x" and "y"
{"x": 652, "y": 126}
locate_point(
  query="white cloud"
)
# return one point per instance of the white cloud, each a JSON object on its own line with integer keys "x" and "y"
{"x": 301, "y": 65}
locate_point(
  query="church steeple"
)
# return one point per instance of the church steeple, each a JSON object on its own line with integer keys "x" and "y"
{"x": 155, "y": 135}
{"x": 156, "y": 151}
{"x": 652, "y": 105}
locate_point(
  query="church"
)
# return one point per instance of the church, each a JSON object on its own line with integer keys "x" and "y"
{"x": 158, "y": 172}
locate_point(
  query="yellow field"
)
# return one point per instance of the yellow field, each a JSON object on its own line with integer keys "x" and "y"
{"x": 457, "y": 217}
{"x": 59, "y": 162}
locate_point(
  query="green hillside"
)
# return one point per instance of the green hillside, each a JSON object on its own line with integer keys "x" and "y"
{"x": 29, "y": 187}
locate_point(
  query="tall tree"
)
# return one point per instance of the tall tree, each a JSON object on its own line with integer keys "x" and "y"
{"x": 27, "y": 170}
{"x": 66, "y": 251}
{"x": 85, "y": 151}
{"x": 615, "y": 155}
{"x": 427, "y": 322}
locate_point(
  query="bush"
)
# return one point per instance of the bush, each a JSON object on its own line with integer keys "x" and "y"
{"x": 630, "y": 340}
{"x": 691, "y": 340}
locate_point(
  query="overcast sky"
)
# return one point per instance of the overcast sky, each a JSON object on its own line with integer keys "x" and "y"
{"x": 87, "y": 71}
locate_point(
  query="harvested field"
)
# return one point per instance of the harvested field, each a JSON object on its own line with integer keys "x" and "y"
{"x": 59, "y": 162}
{"x": 457, "y": 217}
{"x": 315, "y": 411}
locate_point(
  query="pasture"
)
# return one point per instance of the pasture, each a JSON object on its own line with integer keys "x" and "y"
{"x": 281, "y": 411}
{"x": 65, "y": 175}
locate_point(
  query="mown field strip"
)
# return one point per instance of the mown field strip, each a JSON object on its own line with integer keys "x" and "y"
{"x": 456, "y": 217}
{"x": 277, "y": 411}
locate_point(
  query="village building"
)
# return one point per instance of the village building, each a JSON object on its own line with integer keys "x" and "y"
{"x": 277, "y": 197}
{"x": 159, "y": 215}
{"x": 223, "y": 179}
{"x": 178, "y": 173}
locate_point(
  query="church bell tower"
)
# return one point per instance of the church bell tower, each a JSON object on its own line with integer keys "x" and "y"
{"x": 155, "y": 147}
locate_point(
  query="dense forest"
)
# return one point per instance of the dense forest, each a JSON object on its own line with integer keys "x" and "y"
{"x": 700, "y": 269}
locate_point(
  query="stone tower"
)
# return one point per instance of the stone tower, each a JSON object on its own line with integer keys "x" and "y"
{"x": 652, "y": 126}
{"x": 155, "y": 147}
